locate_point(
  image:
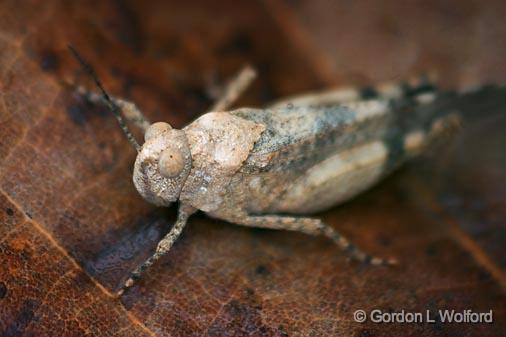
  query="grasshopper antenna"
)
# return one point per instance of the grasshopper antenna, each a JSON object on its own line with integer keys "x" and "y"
{"x": 115, "y": 109}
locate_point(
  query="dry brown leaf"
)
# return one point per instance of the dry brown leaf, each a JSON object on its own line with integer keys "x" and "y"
{"x": 72, "y": 225}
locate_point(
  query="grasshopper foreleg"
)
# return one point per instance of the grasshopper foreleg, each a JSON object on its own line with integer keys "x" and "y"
{"x": 163, "y": 246}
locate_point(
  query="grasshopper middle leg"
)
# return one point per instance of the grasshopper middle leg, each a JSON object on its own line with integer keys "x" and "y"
{"x": 234, "y": 89}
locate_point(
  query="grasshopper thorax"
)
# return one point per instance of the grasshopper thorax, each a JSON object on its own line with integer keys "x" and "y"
{"x": 162, "y": 165}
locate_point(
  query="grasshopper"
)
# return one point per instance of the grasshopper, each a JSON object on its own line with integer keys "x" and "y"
{"x": 271, "y": 167}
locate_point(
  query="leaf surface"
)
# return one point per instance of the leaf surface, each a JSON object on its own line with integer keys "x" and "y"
{"x": 72, "y": 226}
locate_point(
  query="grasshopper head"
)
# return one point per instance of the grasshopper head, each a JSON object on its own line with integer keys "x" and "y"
{"x": 162, "y": 165}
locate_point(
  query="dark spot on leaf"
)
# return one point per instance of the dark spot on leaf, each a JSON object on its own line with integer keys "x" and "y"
{"x": 126, "y": 26}
{"x": 49, "y": 61}
{"x": 484, "y": 275}
{"x": 76, "y": 114}
{"x": 28, "y": 214}
{"x": 3, "y": 290}
{"x": 168, "y": 48}
{"x": 26, "y": 254}
{"x": 22, "y": 319}
{"x": 9, "y": 211}
{"x": 438, "y": 325}
{"x": 364, "y": 333}
{"x": 262, "y": 270}
{"x": 196, "y": 93}
{"x": 263, "y": 331}
{"x": 80, "y": 110}
{"x": 241, "y": 318}
{"x": 111, "y": 264}
{"x": 431, "y": 250}
{"x": 240, "y": 42}
{"x": 385, "y": 241}
{"x": 294, "y": 2}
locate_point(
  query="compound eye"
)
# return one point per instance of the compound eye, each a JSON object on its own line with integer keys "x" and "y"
{"x": 156, "y": 129}
{"x": 171, "y": 163}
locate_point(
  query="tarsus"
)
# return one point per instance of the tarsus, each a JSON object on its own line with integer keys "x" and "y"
{"x": 115, "y": 109}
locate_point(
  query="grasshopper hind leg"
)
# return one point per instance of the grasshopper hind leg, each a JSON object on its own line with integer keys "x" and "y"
{"x": 313, "y": 227}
